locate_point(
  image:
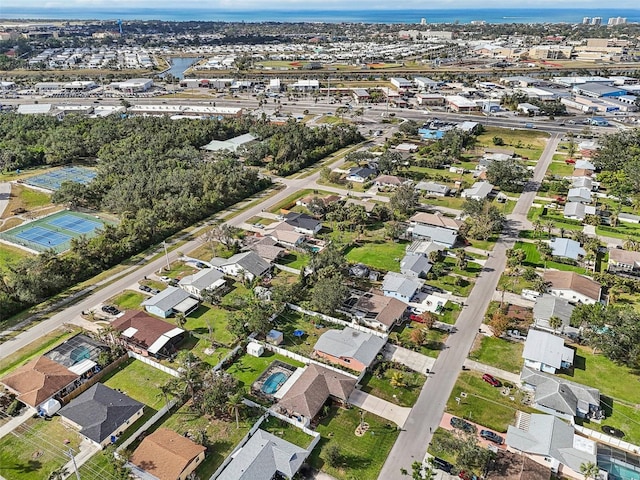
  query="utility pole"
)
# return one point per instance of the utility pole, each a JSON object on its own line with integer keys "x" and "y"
{"x": 69, "y": 453}
{"x": 166, "y": 254}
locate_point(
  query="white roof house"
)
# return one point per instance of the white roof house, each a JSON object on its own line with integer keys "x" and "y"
{"x": 205, "y": 279}
{"x": 566, "y": 248}
{"x": 400, "y": 286}
{"x": 546, "y": 352}
{"x": 479, "y": 191}
{"x": 231, "y": 144}
{"x": 548, "y": 306}
{"x": 581, "y": 194}
{"x": 443, "y": 236}
{"x": 578, "y": 210}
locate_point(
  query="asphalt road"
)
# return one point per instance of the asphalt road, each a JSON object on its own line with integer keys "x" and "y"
{"x": 426, "y": 413}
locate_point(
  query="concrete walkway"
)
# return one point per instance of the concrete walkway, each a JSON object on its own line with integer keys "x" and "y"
{"x": 5, "y": 195}
{"x": 15, "y": 422}
{"x": 513, "y": 299}
{"x": 496, "y": 372}
{"x": 380, "y": 407}
{"x": 87, "y": 450}
{"x": 414, "y": 360}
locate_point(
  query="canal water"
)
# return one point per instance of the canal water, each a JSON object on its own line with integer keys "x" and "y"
{"x": 179, "y": 65}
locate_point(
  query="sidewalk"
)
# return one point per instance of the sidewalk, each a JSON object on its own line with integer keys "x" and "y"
{"x": 15, "y": 422}
{"x": 380, "y": 407}
{"x": 87, "y": 450}
{"x": 496, "y": 372}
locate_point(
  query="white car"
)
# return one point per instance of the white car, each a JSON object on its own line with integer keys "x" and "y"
{"x": 165, "y": 279}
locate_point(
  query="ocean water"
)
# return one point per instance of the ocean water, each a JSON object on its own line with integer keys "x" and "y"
{"x": 511, "y": 15}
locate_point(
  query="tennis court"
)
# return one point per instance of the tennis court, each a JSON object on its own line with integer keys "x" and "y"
{"x": 53, "y": 232}
{"x": 53, "y": 180}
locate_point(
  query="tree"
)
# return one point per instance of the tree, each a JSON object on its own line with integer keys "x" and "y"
{"x": 515, "y": 257}
{"x": 483, "y": 219}
{"x": 404, "y": 201}
{"x": 329, "y": 293}
{"x": 555, "y": 323}
{"x": 498, "y": 141}
{"x": 545, "y": 250}
{"x": 190, "y": 375}
{"x": 590, "y": 470}
{"x": 214, "y": 397}
{"x": 181, "y": 319}
{"x": 397, "y": 380}
{"x": 428, "y": 319}
{"x": 499, "y": 323}
{"x": 332, "y": 455}
{"x": 234, "y": 404}
{"x": 417, "y": 336}
{"x": 389, "y": 162}
{"x": 59, "y": 474}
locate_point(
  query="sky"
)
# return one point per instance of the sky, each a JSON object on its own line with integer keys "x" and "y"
{"x": 238, "y": 5}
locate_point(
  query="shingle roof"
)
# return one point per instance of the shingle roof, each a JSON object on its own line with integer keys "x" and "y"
{"x": 249, "y": 261}
{"x": 415, "y": 263}
{"x": 395, "y": 282}
{"x": 350, "y": 343}
{"x": 262, "y": 456}
{"x": 38, "y": 380}
{"x": 572, "y": 281}
{"x": 387, "y": 309}
{"x": 567, "y": 248}
{"x": 167, "y": 299}
{"x": 548, "y": 306}
{"x": 143, "y": 330}
{"x": 441, "y": 235}
{"x": 479, "y": 189}
{"x": 301, "y": 220}
{"x": 165, "y": 454}
{"x": 100, "y": 411}
{"x": 203, "y": 279}
{"x": 625, "y": 257}
{"x": 312, "y": 389}
{"x": 432, "y": 187}
{"x": 436, "y": 220}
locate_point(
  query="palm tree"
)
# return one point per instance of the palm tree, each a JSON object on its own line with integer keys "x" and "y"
{"x": 181, "y": 319}
{"x": 234, "y": 404}
{"x": 548, "y": 225}
{"x": 397, "y": 380}
{"x": 555, "y": 323}
{"x": 537, "y": 226}
{"x": 589, "y": 470}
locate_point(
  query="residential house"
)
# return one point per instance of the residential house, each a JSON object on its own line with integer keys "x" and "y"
{"x": 433, "y": 188}
{"x": 583, "y": 182}
{"x": 247, "y": 264}
{"x": 401, "y": 287}
{"x": 80, "y": 354}
{"x": 585, "y": 164}
{"x": 424, "y": 247}
{"x": 264, "y": 457}
{"x": 578, "y": 211}
{"x": 581, "y": 194}
{"x": 436, "y": 220}
{"x": 582, "y": 172}
{"x": 415, "y": 265}
{"x": 511, "y": 466}
{"x": 624, "y": 261}
{"x": 207, "y": 279}
{"x": 327, "y": 200}
{"x": 378, "y": 311}
{"x": 546, "y": 352}
{"x": 550, "y": 441}
{"x": 146, "y": 335}
{"x": 407, "y": 147}
{"x": 349, "y": 348}
{"x": 312, "y": 389}
{"x": 479, "y": 191}
{"x": 167, "y": 455}
{"x": 101, "y": 414}
{"x": 268, "y": 249}
{"x": 303, "y": 223}
{"x": 360, "y": 174}
{"x": 548, "y": 306}
{"x": 389, "y": 181}
{"x": 169, "y": 301}
{"x": 573, "y": 287}
{"x": 444, "y": 236}
{"x": 560, "y": 397}
{"x": 286, "y": 237}
{"x": 566, "y": 248}
{"x": 39, "y": 380}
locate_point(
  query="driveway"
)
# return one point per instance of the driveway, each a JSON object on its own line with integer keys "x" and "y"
{"x": 414, "y": 360}
{"x": 445, "y": 424}
{"x": 380, "y": 407}
{"x": 496, "y": 372}
{"x": 15, "y": 422}
{"x": 5, "y": 195}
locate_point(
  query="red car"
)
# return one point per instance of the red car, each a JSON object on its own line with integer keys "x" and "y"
{"x": 569, "y": 161}
{"x": 490, "y": 379}
{"x": 416, "y": 318}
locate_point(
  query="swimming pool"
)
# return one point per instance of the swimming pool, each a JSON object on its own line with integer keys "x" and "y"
{"x": 274, "y": 382}
{"x": 622, "y": 472}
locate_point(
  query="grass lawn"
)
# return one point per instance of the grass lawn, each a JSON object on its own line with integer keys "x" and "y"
{"x": 295, "y": 260}
{"x": 448, "y": 202}
{"x": 435, "y": 339}
{"x": 286, "y": 431}
{"x": 513, "y": 284}
{"x": 527, "y": 143}
{"x": 10, "y": 255}
{"x": 24, "y": 197}
{"x": 36, "y": 348}
{"x": 473, "y": 269}
{"x": 198, "y": 322}
{"x": 445, "y": 454}
{"x": 101, "y": 463}
{"x": 448, "y": 282}
{"x": 499, "y": 353}
{"x": 179, "y": 270}
{"x": 450, "y": 313}
{"x": 128, "y": 300}
{"x": 533, "y": 259}
{"x": 623, "y": 230}
{"x": 290, "y": 201}
{"x": 290, "y": 321}
{"x": 139, "y": 381}
{"x": 212, "y": 359}
{"x": 37, "y": 450}
{"x": 484, "y": 404}
{"x": 559, "y": 168}
{"x": 247, "y": 368}
{"x": 261, "y": 220}
{"x": 361, "y": 457}
{"x": 379, "y": 255}
{"x": 619, "y": 415}
{"x": 484, "y": 244}
{"x": 405, "y": 396}
{"x": 238, "y": 290}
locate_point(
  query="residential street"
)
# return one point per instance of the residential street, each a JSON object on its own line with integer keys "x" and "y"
{"x": 426, "y": 414}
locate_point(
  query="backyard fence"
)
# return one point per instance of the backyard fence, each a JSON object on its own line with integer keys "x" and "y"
{"x": 220, "y": 365}
{"x": 337, "y": 321}
{"x": 154, "y": 364}
{"x": 616, "y": 442}
{"x": 93, "y": 380}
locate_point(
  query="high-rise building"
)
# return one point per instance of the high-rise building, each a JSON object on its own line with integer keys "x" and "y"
{"x": 617, "y": 21}
{"x": 586, "y": 20}
{"x": 423, "y": 21}
{"x": 596, "y": 21}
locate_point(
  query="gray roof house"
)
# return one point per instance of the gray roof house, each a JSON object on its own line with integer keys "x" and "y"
{"x": 582, "y": 182}
{"x": 560, "y": 397}
{"x": 433, "y": 188}
{"x": 577, "y": 210}
{"x": 400, "y": 286}
{"x": 360, "y": 174}
{"x": 415, "y": 265}
{"x": 169, "y": 301}
{"x": 263, "y": 457}
{"x": 566, "y": 248}
{"x": 479, "y": 191}
{"x": 548, "y": 306}
{"x": 549, "y": 440}
{"x": 546, "y": 352}
{"x": 584, "y": 164}
{"x": 303, "y": 223}
{"x": 580, "y": 194}
{"x": 350, "y": 348}
{"x": 101, "y": 413}
{"x": 231, "y": 144}
{"x": 443, "y": 236}
{"x": 205, "y": 279}
{"x": 248, "y": 263}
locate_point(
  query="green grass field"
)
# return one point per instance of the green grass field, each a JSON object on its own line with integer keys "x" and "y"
{"x": 10, "y": 255}
{"x": 499, "y": 353}
{"x": 247, "y": 368}
{"x": 199, "y": 321}
{"x": 434, "y": 342}
{"x": 139, "y": 381}
{"x": 360, "y": 457}
{"x": 405, "y": 396}
{"x": 128, "y": 300}
{"x": 295, "y": 260}
{"x": 379, "y": 255}
{"x": 533, "y": 259}
{"x": 286, "y": 431}
{"x": 527, "y": 143}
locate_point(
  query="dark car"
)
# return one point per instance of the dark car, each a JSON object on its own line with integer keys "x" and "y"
{"x": 144, "y": 288}
{"x": 441, "y": 464}
{"x": 202, "y": 265}
{"x": 462, "y": 425}
{"x": 490, "y": 379}
{"x": 491, "y": 436}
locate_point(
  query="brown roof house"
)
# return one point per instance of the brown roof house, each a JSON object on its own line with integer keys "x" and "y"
{"x": 167, "y": 455}
{"x": 349, "y": 348}
{"x": 572, "y": 287}
{"x": 39, "y": 380}
{"x": 147, "y": 335}
{"x": 624, "y": 261}
{"x": 378, "y": 311}
{"x": 313, "y": 388}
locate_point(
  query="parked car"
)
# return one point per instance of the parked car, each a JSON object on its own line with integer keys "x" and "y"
{"x": 165, "y": 279}
{"x": 463, "y": 425}
{"x": 110, "y": 309}
{"x": 414, "y": 317}
{"x": 441, "y": 464}
{"x": 490, "y": 379}
{"x": 464, "y": 475}
{"x": 491, "y": 436}
{"x": 202, "y": 265}
{"x": 144, "y": 288}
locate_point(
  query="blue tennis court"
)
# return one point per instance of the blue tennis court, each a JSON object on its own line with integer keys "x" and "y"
{"x": 43, "y": 236}
{"x": 75, "y": 224}
{"x": 53, "y": 180}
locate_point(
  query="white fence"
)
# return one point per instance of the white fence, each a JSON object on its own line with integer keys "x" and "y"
{"x": 153, "y": 363}
{"x": 157, "y": 416}
{"x": 616, "y": 442}
{"x": 337, "y": 321}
